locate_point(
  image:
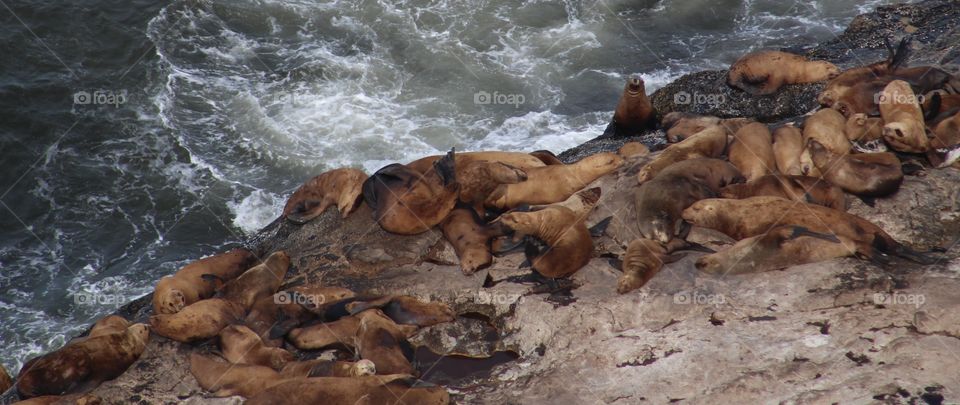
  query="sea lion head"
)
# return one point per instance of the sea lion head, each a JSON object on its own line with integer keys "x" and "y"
{"x": 278, "y": 259}
{"x": 140, "y": 333}
{"x": 171, "y": 301}
{"x": 843, "y": 108}
{"x": 827, "y": 98}
{"x": 701, "y": 213}
{"x": 602, "y": 162}
{"x": 659, "y": 227}
{"x": 519, "y": 221}
{"x": 634, "y": 86}
{"x": 826, "y": 69}
{"x": 363, "y": 368}
{"x": 894, "y": 130}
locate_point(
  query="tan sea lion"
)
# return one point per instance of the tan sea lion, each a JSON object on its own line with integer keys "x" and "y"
{"x": 634, "y": 113}
{"x": 781, "y": 247}
{"x": 328, "y": 368}
{"x": 482, "y": 180}
{"x": 581, "y": 203}
{"x": 787, "y": 148}
{"x": 681, "y": 125}
{"x": 240, "y": 345}
{"x": 341, "y": 332}
{"x": 382, "y": 341}
{"x": 751, "y": 151}
{"x": 368, "y": 390}
{"x": 945, "y": 144}
{"x": 741, "y": 219}
{"x": 642, "y": 260}
{"x": 224, "y": 379}
{"x": 82, "y": 366}
{"x": 407, "y": 203}
{"x": 828, "y": 127}
{"x": 633, "y": 148}
{"x": 764, "y": 72}
{"x": 338, "y": 186}
{"x": 257, "y": 282}
{"x": 807, "y": 189}
{"x": 203, "y": 319}
{"x": 551, "y": 184}
{"x": 189, "y": 285}
{"x": 866, "y": 133}
{"x": 568, "y": 241}
{"x": 108, "y": 325}
{"x": 470, "y": 238}
{"x": 406, "y": 310}
{"x": 904, "y": 128}
{"x": 710, "y": 142}
{"x": 863, "y": 174}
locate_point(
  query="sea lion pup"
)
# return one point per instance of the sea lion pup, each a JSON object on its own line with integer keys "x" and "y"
{"x": 82, "y": 366}
{"x": 681, "y": 125}
{"x": 633, "y": 148}
{"x": 634, "y": 113}
{"x": 240, "y": 345}
{"x": 482, "y": 180}
{"x": 198, "y": 321}
{"x": 710, "y": 142}
{"x": 338, "y": 186}
{"x": 839, "y": 85}
{"x": 383, "y": 342}
{"x": 568, "y": 241}
{"x": 807, "y": 189}
{"x": 751, "y": 151}
{"x": 470, "y": 238}
{"x": 547, "y": 157}
{"x": 406, "y": 310}
{"x": 520, "y": 160}
{"x": 642, "y": 260}
{"x": 863, "y": 174}
{"x": 659, "y": 202}
{"x": 189, "y": 284}
{"x": 741, "y": 219}
{"x": 407, "y": 203}
{"x": 787, "y": 148}
{"x": 328, "y": 368}
{"x": 782, "y": 247}
{"x": 368, "y": 390}
{"x": 551, "y": 184}
{"x": 224, "y": 379}
{"x": 259, "y": 281}
{"x": 904, "y": 128}
{"x": 764, "y": 72}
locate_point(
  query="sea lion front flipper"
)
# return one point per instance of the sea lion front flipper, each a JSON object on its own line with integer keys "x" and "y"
{"x": 599, "y": 228}
{"x": 673, "y": 257}
{"x": 799, "y": 231}
{"x": 933, "y": 109}
{"x": 616, "y": 263}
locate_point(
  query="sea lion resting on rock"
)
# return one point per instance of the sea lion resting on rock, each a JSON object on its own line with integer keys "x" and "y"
{"x": 797, "y": 188}
{"x": 764, "y": 72}
{"x": 865, "y": 133}
{"x": 328, "y": 368}
{"x": 634, "y": 113}
{"x": 383, "y": 342}
{"x": 240, "y": 345}
{"x": 339, "y": 186}
{"x": 945, "y": 145}
{"x": 482, "y": 180}
{"x": 633, "y": 148}
{"x": 81, "y": 366}
{"x": 787, "y": 148}
{"x": 904, "y": 128}
{"x": 710, "y": 142}
{"x": 782, "y": 247}
{"x": 568, "y": 241}
{"x": 193, "y": 283}
{"x": 407, "y": 203}
{"x": 643, "y": 259}
{"x": 518, "y": 160}
{"x": 201, "y": 320}
{"x": 551, "y": 184}
{"x": 406, "y": 310}
{"x": 752, "y": 151}
{"x": 839, "y": 85}
{"x": 863, "y": 174}
{"x": 257, "y": 282}
{"x": 470, "y": 238}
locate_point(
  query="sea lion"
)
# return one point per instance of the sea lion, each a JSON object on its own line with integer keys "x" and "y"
{"x": 82, "y": 366}
{"x": 5, "y": 381}
{"x": 581, "y": 203}
{"x": 328, "y": 368}
{"x": 108, "y": 325}
{"x": 407, "y": 203}
{"x": 224, "y": 379}
{"x": 659, "y": 202}
{"x": 642, "y": 260}
{"x": 865, "y": 133}
{"x": 828, "y": 127}
{"x": 189, "y": 285}
{"x": 240, "y": 345}
{"x": 633, "y": 148}
{"x": 797, "y": 188}
{"x": 787, "y": 148}
{"x": 519, "y": 160}
{"x": 568, "y": 241}
{"x": 681, "y": 125}
{"x": 751, "y": 151}
{"x": 904, "y": 128}
{"x": 257, "y": 282}
{"x": 368, "y": 390}
{"x": 551, "y": 184}
{"x": 781, "y": 247}
{"x": 482, "y": 180}
{"x": 863, "y": 174}
{"x": 764, "y": 72}
{"x": 945, "y": 144}
{"x": 741, "y": 219}
{"x": 338, "y": 186}
{"x": 340, "y": 332}
{"x": 203, "y": 319}
{"x": 383, "y": 342}
{"x": 861, "y": 98}
{"x": 710, "y": 142}
{"x": 470, "y": 238}
{"x": 547, "y": 157}
{"x": 634, "y": 113}
{"x": 837, "y": 86}
{"x": 406, "y": 310}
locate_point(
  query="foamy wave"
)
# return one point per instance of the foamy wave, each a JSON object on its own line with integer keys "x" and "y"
{"x": 256, "y": 210}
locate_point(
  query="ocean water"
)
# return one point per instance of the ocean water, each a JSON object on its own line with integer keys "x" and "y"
{"x": 136, "y": 136}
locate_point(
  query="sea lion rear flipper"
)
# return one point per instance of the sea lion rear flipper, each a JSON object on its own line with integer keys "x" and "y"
{"x": 446, "y": 168}
{"x": 673, "y": 257}
{"x": 503, "y": 245}
{"x": 799, "y": 231}
{"x": 913, "y": 255}
{"x": 899, "y": 56}
{"x": 695, "y": 247}
{"x": 934, "y": 108}
{"x": 599, "y": 228}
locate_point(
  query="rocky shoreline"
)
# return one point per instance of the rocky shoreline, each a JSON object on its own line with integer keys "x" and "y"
{"x": 838, "y": 331}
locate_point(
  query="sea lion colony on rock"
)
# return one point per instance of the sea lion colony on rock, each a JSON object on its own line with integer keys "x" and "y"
{"x": 779, "y": 191}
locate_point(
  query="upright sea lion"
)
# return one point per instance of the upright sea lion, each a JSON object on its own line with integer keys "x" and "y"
{"x": 240, "y": 345}
{"x": 470, "y": 238}
{"x": 752, "y": 151}
{"x": 797, "y": 188}
{"x": 482, "y": 180}
{"x": 710, "y": 142}
{"x": 406, "y": 310}
{"x": 259, "y": 281}
{"x": 787, "y": 148}
{"x": 781, "y": 247}
{"x": 551, "y": 184}
{"x": 369, "y": 390}
{"x": 224, "y": 379}
{"x": 741, "y": 219}
{"x": 568, "y": 241}
{"x": 338, "y": 186}
{"x": 81, "y": 366}
{"x": 904, "y": 128}
{"x": 383, "y": 342}
{"x": 863, "y": 174}
{"x": 189, "y": 285}
{"x": 642, "y": 260}
{"x": 407, "y": 203}
{"x": 681, "y": 125}
{"x": 328, "y": 368}
{"x": 762, "y": 73}
{"x": 203, "y": 319}
{"x": 634, "y": 113}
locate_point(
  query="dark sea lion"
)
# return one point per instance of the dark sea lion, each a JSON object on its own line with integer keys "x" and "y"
{"x": 328, "y": 368}
{"x": 839, "y": 85}
{"x": 188, "y": 285}
{"x": 82, "y": 366}
{"x": 863, "y": 174}
{"x": 904, "y": 128}
{"x": 241, "y": 345}
{"x": 781, "y": 247}
{"x": 945, "y": 144}
{"x": 634, "y": 113}
{"x": 380, "y": 340}
{"x": 368, "y": 390}
{"x": 109, "y": 324}
{"x": 751, "y": 151}
{"x": 551, "y": 184}
{"x": 201, "y": 320}
{"x": 260, "y": 281}
{"x": 764, "y": 72}
{"x": 5, "y": 380}
{"x": 73, "y": 399}
{"x": 861, "y": 98}
{"x": 787, "y": 148}
{"x": 406, "y": 310}
{"x": 338, "y": 186}
{"x": 569, "y": 245}
{"x": 807, "y": 189}
{"x": 406, "y": 202}
{"x": 710, "y": 143}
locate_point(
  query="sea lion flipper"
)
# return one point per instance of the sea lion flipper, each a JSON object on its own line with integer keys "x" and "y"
{"x": 446, "y": 168}
{"x": 616, "y": 263}
{"x": 869, "y": 201}
{"x": 212, "y": 278}
{"x": 597, "y": 230}
{"x": 933, "y": 109}
{"x": 913, "y": 255}
{"x": 799, "y": 231}
{"x": 673, "y": 257}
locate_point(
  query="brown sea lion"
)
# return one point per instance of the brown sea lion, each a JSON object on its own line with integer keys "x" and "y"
{"x": 382, "y": 341}
{"x": 82, "y": 366}
{"x": 581, "y": 203}
{"x": 837, "y": 86}
{"x": 520, "y": 160}
{"x": 781, "y": 247}
{"x": 860, "y": 99}
{"x": 482, "y": 180}
{"x": 568, "y": 241}
{"x": 407, "y": 203}
{"x": 681, "y": 125}
{"x": 257, "y": 282}
{"x": 5, "y": 381}
{"x": 328, "y": 368}
{"x": 710, "y": 142}
{"x": 945, "y": 144}
{"x": 787, "y": 148}
{"x": 551, "y": 184}
{"x": 741, "y": 219}
{"x": 201, "y": 320}
{"x": 828, "y": 127}
{"x": 547, "y": 157}
{"x": 751, "y": 151}
{"x": 633, "y": 148}
{"x": 807, "y": 189}
{"x": 866, "y": 133}
{"x": 341, "y": 332}
{"x": 904, "y": 128}
{"x": 240, "y": 345}
{"x": 634, "y": 113}
{"x": 863, "y": 174}
{"x": 338, "y": 186}
{"x": 224, "y": 379}
{"x": 109, "y": 324}
{"x": 406, "y": 310}
{"x": 764, "y": 72}
{"x": 189, "y": 285}
{"x": 369, "y": 390}
{"x": 470, "y": 238}
{"x": 642, "y": 260}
